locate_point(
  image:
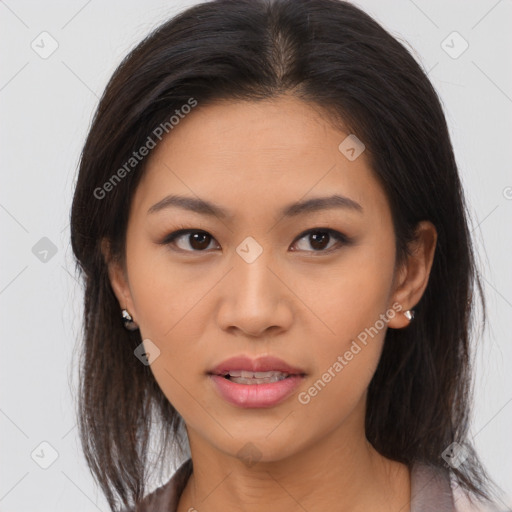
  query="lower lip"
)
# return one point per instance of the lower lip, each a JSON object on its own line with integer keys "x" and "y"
{"x": 256, "y": 395}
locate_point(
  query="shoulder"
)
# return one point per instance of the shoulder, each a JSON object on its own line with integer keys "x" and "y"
{"x": 430, "y": 488}
{"x": 434, "y": 488}
{"x": 462, "y": 503}
{"x": 167, "y": 496}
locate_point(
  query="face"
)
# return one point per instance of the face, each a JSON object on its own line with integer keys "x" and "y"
{"x": 313, "y": 285}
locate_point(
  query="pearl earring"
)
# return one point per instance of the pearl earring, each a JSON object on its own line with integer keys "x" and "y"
{"x": 128, "y": 321}
{"x": 409, "y": 314}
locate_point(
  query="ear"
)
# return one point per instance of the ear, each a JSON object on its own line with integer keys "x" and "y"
{"x": 118, "y": 279}
{"x": 411, "y": 278}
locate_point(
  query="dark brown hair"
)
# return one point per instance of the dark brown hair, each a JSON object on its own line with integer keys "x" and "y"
{"x": 332, "y": 55}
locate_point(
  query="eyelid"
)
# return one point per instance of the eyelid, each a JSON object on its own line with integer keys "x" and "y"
{"x": 169, "y": 238}
{"x": 341, "y": 238}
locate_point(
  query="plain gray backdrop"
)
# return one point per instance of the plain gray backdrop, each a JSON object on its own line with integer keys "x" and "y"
{"x": 47, "y": 101}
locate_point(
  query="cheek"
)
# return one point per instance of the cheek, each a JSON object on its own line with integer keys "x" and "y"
{"x": 172, "y": 310}
{"x": 353, "y": 304}
{"x": 349, "y": 297}
{"x": 165, "y": 295}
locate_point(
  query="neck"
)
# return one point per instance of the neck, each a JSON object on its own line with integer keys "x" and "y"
{"x": 338, "y": 472}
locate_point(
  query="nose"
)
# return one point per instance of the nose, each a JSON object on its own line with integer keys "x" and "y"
{"x": 255, "y": 298}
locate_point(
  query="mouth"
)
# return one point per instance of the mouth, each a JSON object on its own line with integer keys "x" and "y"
{"x": 253, "y": 383}
{"x": 256, "y": 378}
{"x": 244, "y": 370}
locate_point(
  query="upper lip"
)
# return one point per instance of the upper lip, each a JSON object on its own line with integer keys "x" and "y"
{"x": 261, "y": 364}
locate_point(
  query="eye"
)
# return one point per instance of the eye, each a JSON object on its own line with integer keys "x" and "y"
{"x": 194, "y": 240}
{"x": 198, "y": 240}
{"x": 319, "y": 239}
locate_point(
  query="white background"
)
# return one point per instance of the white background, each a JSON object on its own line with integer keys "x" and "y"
{"x": 46, "y": 108}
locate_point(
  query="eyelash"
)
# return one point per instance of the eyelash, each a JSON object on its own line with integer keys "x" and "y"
{"x": 339, "y": 237}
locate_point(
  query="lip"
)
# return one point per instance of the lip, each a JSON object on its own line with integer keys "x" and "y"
{"x": 256, "y": 395}
{"x": 262, "y": 364}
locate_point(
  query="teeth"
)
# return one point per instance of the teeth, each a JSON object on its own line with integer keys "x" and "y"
{"x": 254, "y": 375}
{"x": 241, "y": 380}
{"x": 245, "y": 377}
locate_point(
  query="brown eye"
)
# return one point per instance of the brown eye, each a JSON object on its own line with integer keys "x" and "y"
{"x": 199, "y": 241}
{"x": 190, "y": 240}
{"x": 319, "y": 238}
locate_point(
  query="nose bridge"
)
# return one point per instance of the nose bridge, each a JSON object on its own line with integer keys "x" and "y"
{"x": 253, "y": 299}
{"x": 255, "y": 280}
{"x": 255, "y": 274}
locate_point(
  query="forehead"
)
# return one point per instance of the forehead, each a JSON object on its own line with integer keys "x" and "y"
{"x": 254, "y": 155}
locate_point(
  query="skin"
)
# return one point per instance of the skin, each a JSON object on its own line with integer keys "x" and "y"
{"x": 302, "y": 305}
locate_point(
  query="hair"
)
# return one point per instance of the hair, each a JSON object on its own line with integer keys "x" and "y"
{"x": 333, "y": 56}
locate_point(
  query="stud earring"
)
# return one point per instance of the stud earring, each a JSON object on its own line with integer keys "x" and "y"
{"x": 409, "y": 314}
{"x": 128, "y": 321}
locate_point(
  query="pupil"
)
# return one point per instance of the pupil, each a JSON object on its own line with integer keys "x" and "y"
{"x": 319, "y": 239}
{"x": 197, "y": 243}
{"x": 316, "y": 237}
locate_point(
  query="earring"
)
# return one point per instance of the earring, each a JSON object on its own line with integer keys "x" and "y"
{"x": 128, "y": 320}
{"x": 409, "y": 314}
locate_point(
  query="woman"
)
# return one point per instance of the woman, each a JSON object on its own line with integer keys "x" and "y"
{"x": 273, "y": 236}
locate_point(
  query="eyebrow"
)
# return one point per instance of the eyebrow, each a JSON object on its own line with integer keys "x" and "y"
{"x": 299, "y": 208}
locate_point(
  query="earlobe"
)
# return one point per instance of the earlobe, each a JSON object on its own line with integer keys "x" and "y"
{"x": 414, "y": 275}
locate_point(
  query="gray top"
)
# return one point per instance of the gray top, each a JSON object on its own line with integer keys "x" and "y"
{"x": 430, "y": 492}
